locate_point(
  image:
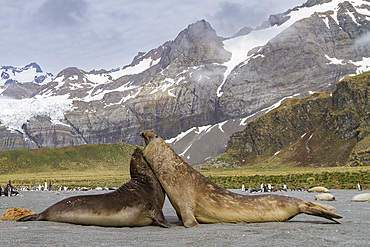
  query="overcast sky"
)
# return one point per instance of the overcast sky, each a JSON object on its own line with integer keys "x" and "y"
{"x": 106, "y": 34}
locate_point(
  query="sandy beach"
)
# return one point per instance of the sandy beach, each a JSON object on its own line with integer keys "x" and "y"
{"x": 302, "y": 230}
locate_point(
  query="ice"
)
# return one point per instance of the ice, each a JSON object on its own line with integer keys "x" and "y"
{"x": 14, "y": 113}
{"x": 333, "y": 60}
{"x": 363, "y": 65}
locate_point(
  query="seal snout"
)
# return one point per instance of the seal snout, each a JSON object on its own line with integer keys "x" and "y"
{"x": 147, "y": 135}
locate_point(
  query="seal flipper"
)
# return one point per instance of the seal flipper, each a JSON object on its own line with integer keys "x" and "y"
{"x": 178, "y": 215}
{"x": 318, "y": 209}
{"x": 188, "y": 218}
{"x": 30, "y": 217}
{"x": 158, "y": 216}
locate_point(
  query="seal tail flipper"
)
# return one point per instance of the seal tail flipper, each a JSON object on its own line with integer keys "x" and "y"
{"x": 321, "y": 210}
{"x": 30, "y": 217}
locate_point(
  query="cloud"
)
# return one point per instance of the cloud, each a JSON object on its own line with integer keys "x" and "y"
{"x": 233, "y": 16}
{"x": 364, "y": 40}
{"x": 61, "y": 13}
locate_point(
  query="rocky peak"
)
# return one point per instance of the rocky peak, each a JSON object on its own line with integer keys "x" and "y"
{"x": 311, "y": 3}
{"x": 198, "y": 43}
{"x": 277, "y": 19}
{"x": 34, "y": 65}
{"x": 198, "y": 30}
{"x": 243, "y": 31}
{"x": 71, "y": 71}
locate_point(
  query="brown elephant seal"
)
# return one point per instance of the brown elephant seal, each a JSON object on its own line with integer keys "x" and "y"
{"x": 197, "y": 199}
{"x": 136, "y": 203}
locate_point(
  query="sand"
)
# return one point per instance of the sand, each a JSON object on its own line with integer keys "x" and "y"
{"x": 302, "y": 230}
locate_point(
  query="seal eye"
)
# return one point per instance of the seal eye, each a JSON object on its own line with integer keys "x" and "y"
{"x": 133, "y": 157}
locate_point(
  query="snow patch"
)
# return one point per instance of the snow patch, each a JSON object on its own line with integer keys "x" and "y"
{"x": 243, "y": 121}
{"x": 140, "y": 67}
{"x": 98, "y": 78}
{"x": 363, "y": 65}
{"x": 186, "y": 149}
{"x": 220, "y": 126}
{"x": 14, "y": 113}
{"x": 180, "y": 136}
{"x": 334, "y": 60}
{"x": 100, "y": 94}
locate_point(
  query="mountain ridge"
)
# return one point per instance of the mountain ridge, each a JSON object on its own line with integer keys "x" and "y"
{"x": 198, "y": 79}
{"x": 324, "y": 129}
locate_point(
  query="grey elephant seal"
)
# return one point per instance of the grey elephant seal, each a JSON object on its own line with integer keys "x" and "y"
{"x": 364, "y": 197}
{"x": 196, "y": 199}
{"x": 136, "y": 203}
{"x": 319, "y": 190}
{"x": 325, "y": 197}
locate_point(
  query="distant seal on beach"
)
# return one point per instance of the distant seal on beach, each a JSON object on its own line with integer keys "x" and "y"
{"x": 196, "y": 199}
{"x": 325, "y": 197}
{"x": 364, "y": 197}
{"x": 136, "y": 203}
{"x": 318, "y": 189}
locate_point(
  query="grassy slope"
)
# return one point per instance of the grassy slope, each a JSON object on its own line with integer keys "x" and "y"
{"x": 108, "y": 165}
{"x": 92, "y": 164}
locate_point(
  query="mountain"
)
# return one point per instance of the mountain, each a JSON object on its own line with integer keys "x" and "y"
{"x": 22, "y": 82}
{"x": 324, "y": 129}
{"x": 29, "y": 73}
{"x": 199, "y": 88}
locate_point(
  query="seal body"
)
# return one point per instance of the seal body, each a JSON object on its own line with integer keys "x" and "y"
{"x": 136, "y": 203}
{"x": 364, "y": 197}
{"x": 318, "y": 189}
{"x": 325, "y": 197}
{"x": 196, "y": 199}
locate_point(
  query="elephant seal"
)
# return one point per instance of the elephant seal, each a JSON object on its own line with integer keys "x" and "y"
{"x": 136, "y": 203}
{"x": 364, "y": 197}
{"x": 196, "y": 199}
{"x": 325, "y": 197}
{"x": 318, "y": 189}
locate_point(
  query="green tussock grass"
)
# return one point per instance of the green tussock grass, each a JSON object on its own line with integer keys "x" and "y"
{"x": 85, "y": 165}
{"x": 102, "y": 165}
{"x": 331, "y": 178}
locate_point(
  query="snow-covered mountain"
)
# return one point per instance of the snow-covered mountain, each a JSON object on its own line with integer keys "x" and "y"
{"x": 199, "y": 88}
{"x": 22, "y": 82}
{"x": 29, "y": 73}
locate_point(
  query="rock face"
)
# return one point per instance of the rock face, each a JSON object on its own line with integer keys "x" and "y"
{"x": 297, "y": 60}
{"x": 198, "y": 79}
{"x": 324, "y": 129}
